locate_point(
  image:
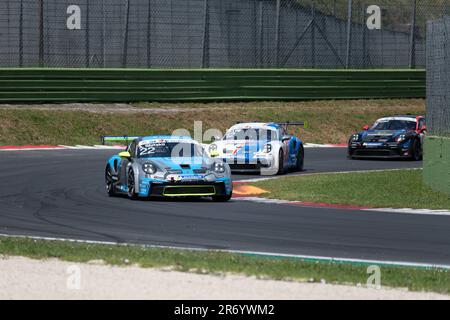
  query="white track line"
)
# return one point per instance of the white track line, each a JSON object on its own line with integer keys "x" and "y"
{"x": 254, "y": 253}
{"x": 412, "y": 211}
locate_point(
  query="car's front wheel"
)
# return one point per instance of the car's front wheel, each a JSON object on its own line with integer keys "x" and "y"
{"x": 109, "y": 182}
{"x": 300, "y": 159}
{"x": 222, "y": 198}
{"x": 416, "y": 152}
{"x": 281, "y": 162}
{"x": 131, "y": 185}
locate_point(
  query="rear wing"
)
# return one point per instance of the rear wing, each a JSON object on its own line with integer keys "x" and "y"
{"x": 118, "y": 139}
{"x": 286, "y": 124}
{"x": 292, "y": 124}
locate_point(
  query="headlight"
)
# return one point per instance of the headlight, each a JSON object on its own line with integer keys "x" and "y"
{"x": 267, "y": 148}
{"x": 219, "y": 167}
{"x": 401, "y": 138}
{"x": 213, "y": 152}
{"x": 213, "y": 147}
{"x": 355, "y": 137}
{"x": 149, "y": 168}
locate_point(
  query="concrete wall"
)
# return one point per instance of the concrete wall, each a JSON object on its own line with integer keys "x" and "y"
{"x": 437, "y": 146}
{"x": 437, "y": 163}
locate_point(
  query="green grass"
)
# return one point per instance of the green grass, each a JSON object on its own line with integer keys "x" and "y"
{"x": 328, "y": 121}
{"x": 434, "y": 280}
{"x": 385, "y": 189}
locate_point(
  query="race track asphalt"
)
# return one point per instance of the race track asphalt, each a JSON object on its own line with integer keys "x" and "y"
{"x": 61, "y": 194}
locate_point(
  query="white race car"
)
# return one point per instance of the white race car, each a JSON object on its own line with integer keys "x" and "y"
{"x": 260, "y": 147}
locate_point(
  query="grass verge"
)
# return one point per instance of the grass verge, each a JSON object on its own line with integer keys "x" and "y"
{"x": 328, "y": 121}
{"x": 383, "y": 189}
{"x": 415, "y": 279}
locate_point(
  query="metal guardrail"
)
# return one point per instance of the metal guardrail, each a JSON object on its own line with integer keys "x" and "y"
{"x": 128, "y": 85}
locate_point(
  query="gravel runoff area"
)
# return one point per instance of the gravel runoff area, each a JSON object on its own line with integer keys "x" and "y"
{"x": 24, "y": 278}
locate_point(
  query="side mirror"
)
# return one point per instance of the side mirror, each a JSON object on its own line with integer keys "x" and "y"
{"x": 215, "y": 138}
{"x": 286, "y": 138}
{"x": 366, "y": 127}
{"x": 125, "y": 154}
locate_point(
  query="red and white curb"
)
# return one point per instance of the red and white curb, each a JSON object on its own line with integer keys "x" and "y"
{"x": 119, "y": 147}
{"x": 344, "y": 207}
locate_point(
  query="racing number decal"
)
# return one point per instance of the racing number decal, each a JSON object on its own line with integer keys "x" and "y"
{"x": 146, "y": 150}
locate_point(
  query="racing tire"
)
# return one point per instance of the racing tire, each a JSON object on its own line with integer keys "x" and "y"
{"x": 110, "y": 188}
{"x": 300, "y": 160}
{"x": 416, "y": 152}
{"x": 281, "y": 163}
{"x": 222, "y": 198}
{"x": 131, "y": 186}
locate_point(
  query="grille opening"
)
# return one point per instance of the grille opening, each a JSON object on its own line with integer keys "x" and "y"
{"x": 185, "y": 166}
{"x": 245, "y": 166}
{"x": 375, "y": 153}
{"x": 190, "y": 190}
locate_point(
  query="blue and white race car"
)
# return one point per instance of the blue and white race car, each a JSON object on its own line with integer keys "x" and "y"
{"x": 266, "y": 148}
{"x": 167, "y": 166}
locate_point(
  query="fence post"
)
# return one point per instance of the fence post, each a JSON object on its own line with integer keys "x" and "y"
{"x": 125, "y": 37}
{"x": 349, "y": 34}
{"x": 313, "y": 33}
{"x": 364, "y": 31}
{"x": 149, "y": 45}
{"x": 205, "y": 44}
{"x": 41, "y": 33}
{"x": 260, "y": 31}
{"x": 277, "y": 33}
{"x": 21, "y": 35}
{"x": 412, "y": 39}
{"x": 88, "y": 49}
{"x": 102, "y": 41}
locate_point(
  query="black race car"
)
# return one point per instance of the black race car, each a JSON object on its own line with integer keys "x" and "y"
{"x": 391, "y": 137}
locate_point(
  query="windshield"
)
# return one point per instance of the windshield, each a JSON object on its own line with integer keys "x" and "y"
{"x": 151, "y": 149}
{"x": 394, "y": 125}
{"x": 251, "y": 134}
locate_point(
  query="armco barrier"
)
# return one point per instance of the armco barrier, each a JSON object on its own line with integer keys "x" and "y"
{"x": 126, "y": 85}
{"x": 437, "y": 163}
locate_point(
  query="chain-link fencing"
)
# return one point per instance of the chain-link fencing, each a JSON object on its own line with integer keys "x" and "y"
{"x": 214, "y": 33}
{"x": 438, "y": 77}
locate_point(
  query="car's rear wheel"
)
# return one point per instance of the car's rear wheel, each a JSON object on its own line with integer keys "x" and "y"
{"x": 222, "y": 198}
{"x": 300, "y": 159}
{"x": 416, "y": 152}
{"x": 109, "y": 182}
{"x": 280, "y": 162}
{"x": 131, "y": 185}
